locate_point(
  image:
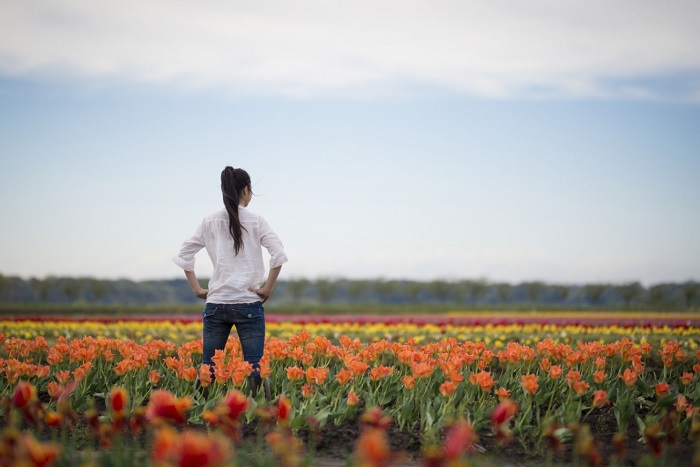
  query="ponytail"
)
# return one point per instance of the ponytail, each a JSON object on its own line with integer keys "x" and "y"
{"x": 233, "y": 181}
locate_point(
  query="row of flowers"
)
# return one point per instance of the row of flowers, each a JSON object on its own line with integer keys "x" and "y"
{"x": 539, "y": 392}
{"x": 492, "y": 334}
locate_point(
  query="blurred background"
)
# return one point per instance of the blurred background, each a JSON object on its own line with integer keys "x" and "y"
{"x": 443, "y": 152}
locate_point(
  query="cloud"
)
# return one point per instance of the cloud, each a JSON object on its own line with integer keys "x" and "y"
{"x": 315, "y": 48}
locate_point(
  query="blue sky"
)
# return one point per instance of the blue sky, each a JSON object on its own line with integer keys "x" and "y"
{"x": 425, "y": 146}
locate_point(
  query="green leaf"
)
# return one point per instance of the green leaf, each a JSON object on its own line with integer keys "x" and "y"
{"x": 667, "y": 401}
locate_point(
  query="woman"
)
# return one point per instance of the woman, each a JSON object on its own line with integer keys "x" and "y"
{"x": 233, "y": 238}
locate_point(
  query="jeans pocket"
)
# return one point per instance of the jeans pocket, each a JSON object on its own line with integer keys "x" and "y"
{"x": 252, "y": 312}
{"x": 209, "y": 311}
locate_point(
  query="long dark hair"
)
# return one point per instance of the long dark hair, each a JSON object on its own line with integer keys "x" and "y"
{"x": 233, "y": 181}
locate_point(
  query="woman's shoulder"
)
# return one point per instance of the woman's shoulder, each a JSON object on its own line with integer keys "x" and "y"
{"x": 217, "y": 215}
{"x": 246, "y": 214}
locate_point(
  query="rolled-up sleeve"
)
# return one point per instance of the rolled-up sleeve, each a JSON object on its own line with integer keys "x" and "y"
{"x": 185, "y": 258}
{"x": 272, "y": 244}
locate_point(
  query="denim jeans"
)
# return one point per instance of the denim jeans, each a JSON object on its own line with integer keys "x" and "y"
{"x": 249, "y": 319}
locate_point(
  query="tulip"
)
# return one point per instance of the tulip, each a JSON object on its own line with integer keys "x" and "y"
{"x": 118, "y": 399}
{"x": 372, "y": 448}
{"x": 629, "y": 377}
{"x": 154, "y": 377}
{"x": 459, "y": 440}
{"x": 529, "y": 383}
{"x": 284, "y": 410}
{"x": 661, "y": 389}
{"x": 343, "y": 376}
{"x": 600, "y": 398}
{"x": 294, "y": 373}
{"x": 409, "y": 382}
{"x": 353, "y": 400}
{"x": 163, "y": 406}
{"x": 447, "y": 388}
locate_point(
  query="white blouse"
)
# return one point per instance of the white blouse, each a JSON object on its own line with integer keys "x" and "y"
{"x": 234, "y": 274}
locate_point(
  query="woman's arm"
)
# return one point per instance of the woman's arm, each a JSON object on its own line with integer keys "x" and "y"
{"x": 194, "y": 285}
{"x": 266, "y": 290}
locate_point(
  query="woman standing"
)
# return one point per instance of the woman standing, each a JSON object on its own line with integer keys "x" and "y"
{"x": 233, "y": 238}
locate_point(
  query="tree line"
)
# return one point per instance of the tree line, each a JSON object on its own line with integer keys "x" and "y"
{"x": 461, "y": 293}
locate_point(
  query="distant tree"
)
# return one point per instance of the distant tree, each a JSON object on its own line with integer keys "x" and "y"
{"x": 296, "y": 288}
{"x": 657, "y": 296}
{"x": 99, "y": 289}
{"x": 691, "y": 290}
{"x": 629, "y": 292}
{"x": 560, "y": 293}
{"x": 326, "y": 289}
{"x": 43, "y": 287}
{"x": 534, "y": 290}
{"x": 503, "y": 290}
{"x": 412, "y": 289}
{"x": 71, "y": 289}
{"x": 440, "y": 289}
{"x": 5, "y": 287}
{"x": 355, "y": 289}
{"x": 384, "y": 289}
{"x": 471, "y": 290}
{"x": 594, "y": 292}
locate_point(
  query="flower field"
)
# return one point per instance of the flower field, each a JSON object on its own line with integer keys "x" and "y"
{"x": 447, "y": 390}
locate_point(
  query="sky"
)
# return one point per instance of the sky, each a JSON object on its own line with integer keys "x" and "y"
{"x": 505, "y": 140}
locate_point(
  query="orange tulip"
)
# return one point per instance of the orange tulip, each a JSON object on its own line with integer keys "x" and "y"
{"x": 581, "y": 387}
{"x": 629, "y": 377}
{"x": 54, "y": 389}
{"x": 681, "y": 404}
{"x": 38, "y": 453}
{"x": 357, "y": 368}
{"x": 163, "y": 406}
{"x": 204, "y": 375}
{"x": 353, "y": 400}
{"x": 24, "y": 395}
{"x": 409, "y": 382}
{"x": 189, "y": 448}
{"x": 118, "y": 399}
{"x": 503, "y": 412}
{"x": 189, "y": 374}
{"x": 307, "y": 391}
{"x": 294, "y": 373}
{"x": 53, "y": 419}
{"x": 482, "y": 379}
{"x": 381, "y": 372}
{"x": 600, "y": 398}
{"x": 687, "y": 378}
{"x": 661, "y": 389}
{"x": 447, "y": 388}
{"x": 459, "y": 440}
{"x": 599, "y": 377}
{"x": 372, "y": 448}
{"x": 374, "y": 417}
{"x": 284, "y": 410}
{"x": 555, "y": 372}
{"x": 600, "y": 363}
{"x": 343, "y": 376}
{"x": 62, "y": 377}
{"x": 529, "y": 383}
{"x": 572, "y": 376}
{"x": 316, "y": 375}
{"x": 502, "y": 394}
{"x": 154, "y": 377}
{"x": 233, "y": 404}
{"x": 421, "y": 370}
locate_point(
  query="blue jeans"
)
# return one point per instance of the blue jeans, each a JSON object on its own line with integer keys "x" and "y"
{"x": 249, "y": 319}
